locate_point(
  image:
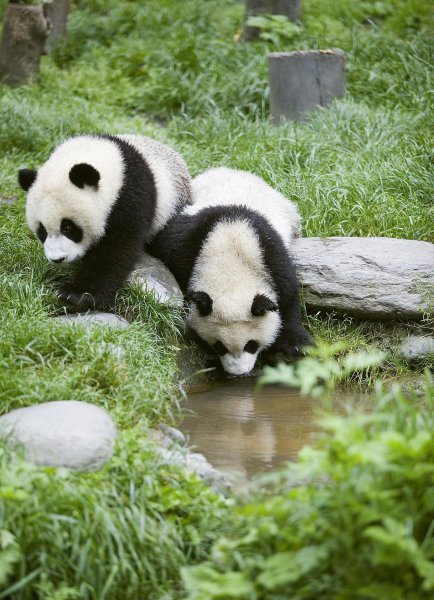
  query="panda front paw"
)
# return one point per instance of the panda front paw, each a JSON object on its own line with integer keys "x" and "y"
{"x": 293, "y": 345}
{"x": 71, "y": 296}
{"x": 289, "y": 350}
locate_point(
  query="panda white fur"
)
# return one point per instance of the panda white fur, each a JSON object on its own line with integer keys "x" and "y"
{"x": 229, "y": 252}
{"x": 101, "y": 198}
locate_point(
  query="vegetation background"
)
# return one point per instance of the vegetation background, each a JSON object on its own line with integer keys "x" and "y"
{"x": 177, "y": 71}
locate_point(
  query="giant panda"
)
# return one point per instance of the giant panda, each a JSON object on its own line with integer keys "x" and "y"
{"x": 230, "y": 253}
{"x": 101, "y": 198}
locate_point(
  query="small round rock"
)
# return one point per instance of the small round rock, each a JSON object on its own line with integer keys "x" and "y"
{"x": 155, "y": 277}
{"x": 65, "y": 433}
{"x": 91, "y": 318}
{"x": 173, "y": 434}
{"x": 416, "y": 348}
{"x": 196, "y": 463}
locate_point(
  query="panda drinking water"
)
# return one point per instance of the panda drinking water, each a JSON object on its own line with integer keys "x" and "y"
{"x": 230, "y": 253}
{"x": 101, "y": 199}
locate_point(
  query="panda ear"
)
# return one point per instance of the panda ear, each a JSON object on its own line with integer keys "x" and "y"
{"x": 84, "y": 174}
{"x": 26, "y": 178}
{"x": 261, "y": 305}
{"x": 202, "y": 301}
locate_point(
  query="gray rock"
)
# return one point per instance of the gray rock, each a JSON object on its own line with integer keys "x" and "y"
{"x": 66, "y": 433}
{"x": 303, "y": 80}
{"x": 173, "y": 434}
{"x": 197, "y": 463}
{"x": 380, "y": 278}
{"x": 155, "y": 277}
{"x": 416, "y": 348}
{"x": 91, "y": 318}
{"x": 168, "y": 437}
{"x": 192, "y": 367}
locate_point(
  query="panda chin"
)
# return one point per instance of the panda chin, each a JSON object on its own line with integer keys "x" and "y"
{"x": 238, "y": 365}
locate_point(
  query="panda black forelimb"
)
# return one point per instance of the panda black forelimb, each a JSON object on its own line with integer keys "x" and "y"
{"x": 103, "y": 271}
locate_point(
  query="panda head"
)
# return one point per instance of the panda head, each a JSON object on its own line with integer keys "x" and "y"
{"x": 63, "y": 238}
{"x": 70, "y": 197}
{"x": 237, "y": 338}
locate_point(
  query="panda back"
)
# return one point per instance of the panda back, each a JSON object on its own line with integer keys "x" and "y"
{"x": 224, "y": 186}
{"x": 171, "y": 177}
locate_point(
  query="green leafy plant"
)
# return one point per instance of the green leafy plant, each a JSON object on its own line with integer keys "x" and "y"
{"x": 10, "y": 554}
{"x": 277, "y": 29}
{"x": 320, "y": 371}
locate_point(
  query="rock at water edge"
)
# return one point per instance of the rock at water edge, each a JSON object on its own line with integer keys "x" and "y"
{"x": 65, "y": 433}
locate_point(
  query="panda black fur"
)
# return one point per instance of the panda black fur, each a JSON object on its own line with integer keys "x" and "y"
{"x": 101, "y": 198}
{"x": 230, "y": 253}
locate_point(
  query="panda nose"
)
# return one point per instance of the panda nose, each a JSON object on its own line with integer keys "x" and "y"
{"x": 58, "y": 260}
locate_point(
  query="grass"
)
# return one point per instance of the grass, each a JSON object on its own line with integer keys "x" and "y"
{"x": 121, "y": 532}
{"x": 174, "y": 71}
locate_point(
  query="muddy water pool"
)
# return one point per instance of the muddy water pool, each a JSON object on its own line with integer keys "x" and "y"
{"x": 242, "y": 431}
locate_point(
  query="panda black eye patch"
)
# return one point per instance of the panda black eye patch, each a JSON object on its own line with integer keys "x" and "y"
{"x": 220, "y": 348}
{"x": 41, "y": 233}
{"x": 251, "y": 347}
{"x": 70, "y": 230}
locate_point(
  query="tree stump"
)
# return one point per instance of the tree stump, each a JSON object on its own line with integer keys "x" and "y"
{"x": 288, "y": 8}
{"x": 25, "y": 31}
{"x": 57, "y": 14}
{"x": 303, "y": 80}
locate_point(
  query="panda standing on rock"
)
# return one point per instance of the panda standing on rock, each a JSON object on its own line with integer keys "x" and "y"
{"x": 101, "y": 199}
{"x": 230, "y": 253}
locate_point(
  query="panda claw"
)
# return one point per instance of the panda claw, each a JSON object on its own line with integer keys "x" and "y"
{"x": 72, "y": 297}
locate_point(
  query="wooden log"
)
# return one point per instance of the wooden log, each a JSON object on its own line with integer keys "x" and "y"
{"x": 288, "y": 8}
{"x": 25, "y": 31}
{"x": 303, "y": 80}
{"x": 57, "y": 13}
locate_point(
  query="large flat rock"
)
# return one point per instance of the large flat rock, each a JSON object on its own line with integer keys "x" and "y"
{"x": 66, "y": 433}
{"x": 380, "y": 278}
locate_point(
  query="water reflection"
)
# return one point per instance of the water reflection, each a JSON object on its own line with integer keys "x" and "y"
{"x": 242, "y": 432}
